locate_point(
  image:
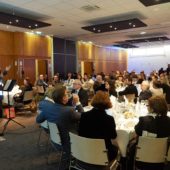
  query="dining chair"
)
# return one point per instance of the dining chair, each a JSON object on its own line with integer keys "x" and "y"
{"x": 89, "y": 151}
{"x": 168, "y": 154}
{"x": 28, "y": 96}
{"x": 27, "y": 104}
{"x": 150, "y": 152}
{"x": 43, "y": 128}
{"x": 122, "y": 141}
{"x": 55, "y": 141}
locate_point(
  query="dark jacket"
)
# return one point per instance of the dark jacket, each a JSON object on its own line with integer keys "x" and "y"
{"x": 166, "y": 91}
{"x": 159, "y": 125}
{"x": 97, "y": 124}
{"x": 145, "y": 95}
{"x": 130, "y": 89}
{"x": 83, "y": 96}
{"x": 65, "y": 117}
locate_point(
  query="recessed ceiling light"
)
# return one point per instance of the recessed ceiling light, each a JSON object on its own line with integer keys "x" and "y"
{"x": 143, "y": 32}
{"x": 134, "y": 25}
{"x": 29, "y": 26}
{"x": 17, "y": 20}
{"x": 10, "y": 22}
{"x": 36, "y": 25}
{"x": 110, "y": 26}
{"x": 130, "y": 23}
{"x": 99, "y": 30}
{"x": 94, "y": 29}
{"x": 115, "y": 28}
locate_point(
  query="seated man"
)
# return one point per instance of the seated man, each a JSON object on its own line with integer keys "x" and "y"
{"x": 64, "y": 116}
{"x": 83, "y": 95}
{"x": 26, "y": 87}
{"x": 145, "y": 94}
{"x": 130, "y": 89}
{"x": 41, "y": 82}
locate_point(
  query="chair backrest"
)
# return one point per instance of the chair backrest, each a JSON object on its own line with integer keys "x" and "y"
{"x": 28, "y": 96}
{"x": 54, "y": 133}
{"x": 92, "y": 151}
{"x": 168, "y": 155}
{"x": 122, "y": 140}
{"x": 40, "y": 89}
{"x": 44, "y": 124}
{"x": 151, "y": 150}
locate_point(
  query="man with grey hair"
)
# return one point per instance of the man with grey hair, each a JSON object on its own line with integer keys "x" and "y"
{"x": 145, "y": 94}
{"x": 83, "y": 95}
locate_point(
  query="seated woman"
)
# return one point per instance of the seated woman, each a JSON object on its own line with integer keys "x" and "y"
{"x": 97, "y": 124}
{"x": 26, "y": 87}
{"x": 156, "y": 124}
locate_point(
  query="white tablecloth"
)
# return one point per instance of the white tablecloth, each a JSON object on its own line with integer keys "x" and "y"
{"x": 14, "y": 91}
{"x": 125, "y": 125}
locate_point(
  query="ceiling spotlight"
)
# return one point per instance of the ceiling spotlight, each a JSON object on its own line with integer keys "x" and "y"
{"x": 111, "y": 26}
{"x": 20, "y": 21}
{"x": 115, "y": 28}
{"x": 134, "y": 25}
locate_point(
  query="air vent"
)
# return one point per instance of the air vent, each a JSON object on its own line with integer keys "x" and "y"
{"x": 89, "y": 8}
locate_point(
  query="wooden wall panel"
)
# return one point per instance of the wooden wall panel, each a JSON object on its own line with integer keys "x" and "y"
{"x": 6, "y": 47}
{"x": 16, "y": 46}
{"x": 30, "y": 45}
{"x": 104, "y": 59}
{"x": 29, "y": 71}
{"x": 88, "y": 67}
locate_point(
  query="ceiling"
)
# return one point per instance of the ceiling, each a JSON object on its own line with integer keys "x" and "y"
{"x": 69, "y": 16}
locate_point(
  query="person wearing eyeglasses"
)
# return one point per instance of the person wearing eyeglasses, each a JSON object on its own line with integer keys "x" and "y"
{"x": 78, "y": 89}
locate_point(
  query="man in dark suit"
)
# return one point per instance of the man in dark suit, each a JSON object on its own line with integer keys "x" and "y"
{"x": 130, "y": 89}
{"x": 83, "y": 95}
{"x": 145, "y": 94}
{"x": 66, "y": 117}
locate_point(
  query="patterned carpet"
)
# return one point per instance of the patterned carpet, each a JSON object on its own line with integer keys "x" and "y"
{"x": 18, "y": 146}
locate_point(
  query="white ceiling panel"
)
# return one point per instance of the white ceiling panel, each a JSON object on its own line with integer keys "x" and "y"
{"x": 67, "y": 17}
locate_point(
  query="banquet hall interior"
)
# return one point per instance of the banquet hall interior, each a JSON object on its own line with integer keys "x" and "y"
{"x": 119, "y": 47}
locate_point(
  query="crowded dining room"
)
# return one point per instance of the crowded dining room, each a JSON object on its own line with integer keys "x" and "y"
{"x": 85, "y": 85}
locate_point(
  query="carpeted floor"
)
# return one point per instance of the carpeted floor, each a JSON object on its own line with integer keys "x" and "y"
{"x": 18, "y": 146}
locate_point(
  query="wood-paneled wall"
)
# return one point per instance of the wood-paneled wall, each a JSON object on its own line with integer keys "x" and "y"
{"x": 104, "y": 59}
{"x": 17, "y": 47}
